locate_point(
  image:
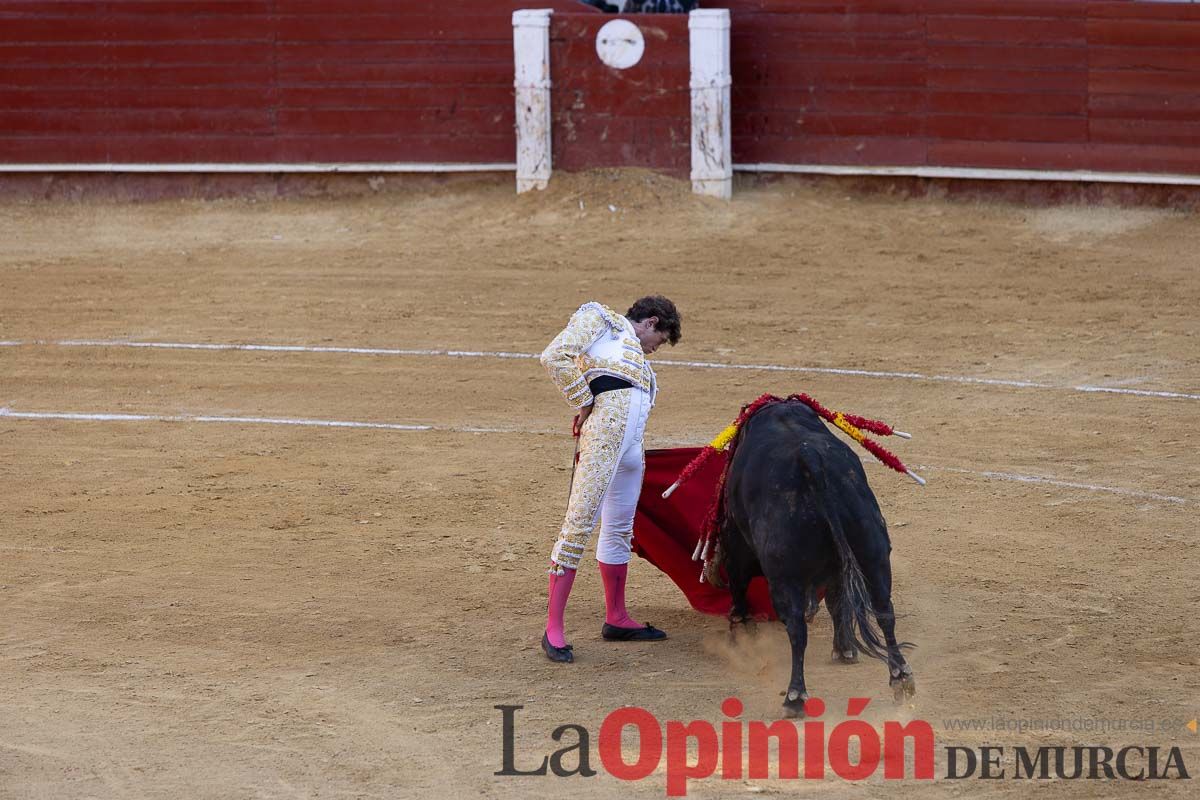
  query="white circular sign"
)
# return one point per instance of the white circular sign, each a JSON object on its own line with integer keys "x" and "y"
{"x": 620, "y": 44}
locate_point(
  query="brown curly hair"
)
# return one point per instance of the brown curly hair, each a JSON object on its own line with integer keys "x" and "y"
{"x": 656, "y": 305}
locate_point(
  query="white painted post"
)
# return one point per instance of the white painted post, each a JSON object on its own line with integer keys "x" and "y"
{"x": 531, "y": 58}
{"x": 712, "y": 151}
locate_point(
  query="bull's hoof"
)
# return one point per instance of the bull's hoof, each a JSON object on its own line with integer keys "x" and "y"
{"x": 746, "y": 624}
{"x": 904, "y": 687}
{"x": 845, "y": 656}
{"x": 793, "y": 705}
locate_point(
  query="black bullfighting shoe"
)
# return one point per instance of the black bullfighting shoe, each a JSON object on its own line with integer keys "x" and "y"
{"x": 649, "y": 633}
{"x": 553, "y": 653}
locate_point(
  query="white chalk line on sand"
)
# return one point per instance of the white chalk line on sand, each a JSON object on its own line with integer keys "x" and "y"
{"x": 717, "y": 365}
{"x": 1091, "y": 487}
{"x": 408, "y": 427}
{"x": 312, "y": 423}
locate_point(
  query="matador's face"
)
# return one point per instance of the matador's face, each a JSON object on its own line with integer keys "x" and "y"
{"x": 650, "y": 338}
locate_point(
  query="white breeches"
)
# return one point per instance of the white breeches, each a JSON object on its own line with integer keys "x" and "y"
{"x": 608, "y": 480}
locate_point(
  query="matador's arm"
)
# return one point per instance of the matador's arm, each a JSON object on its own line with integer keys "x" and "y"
{"x": 586, "y": 325}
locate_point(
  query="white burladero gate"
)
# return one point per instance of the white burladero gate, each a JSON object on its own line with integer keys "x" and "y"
{"x": 620, "y": 43}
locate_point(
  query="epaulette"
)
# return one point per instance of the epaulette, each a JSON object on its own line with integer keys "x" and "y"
{"x": 615, "y": 321}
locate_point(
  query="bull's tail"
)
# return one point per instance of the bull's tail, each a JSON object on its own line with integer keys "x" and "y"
{"x": 855, "y": 613}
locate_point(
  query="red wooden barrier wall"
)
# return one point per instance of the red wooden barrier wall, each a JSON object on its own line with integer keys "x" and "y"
{"x": 1025, "y": 84}
{"x": 257, "y": 80}
{"x": 1047, "y": 84}
{"x": 605, "y": 117}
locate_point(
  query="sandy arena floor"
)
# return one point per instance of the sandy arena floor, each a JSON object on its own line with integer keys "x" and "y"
{"x": 226, "y": 609}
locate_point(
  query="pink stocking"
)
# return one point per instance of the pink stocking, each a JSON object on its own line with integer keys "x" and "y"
{"x": 614, "y": 595}
{"x": 560, "y": 589}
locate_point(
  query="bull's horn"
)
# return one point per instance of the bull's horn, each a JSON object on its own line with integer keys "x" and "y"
{"x": 901, "y": 434}
{"x": 670, "y": 490}
{"x": 696, "y": 552}
{"x": 915, "y": 477}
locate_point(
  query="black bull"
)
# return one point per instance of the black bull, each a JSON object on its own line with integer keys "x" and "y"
{"x": 798, "y": 510}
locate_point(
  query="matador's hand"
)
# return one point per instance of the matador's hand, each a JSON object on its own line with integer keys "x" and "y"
{"x": 580, "y": 418}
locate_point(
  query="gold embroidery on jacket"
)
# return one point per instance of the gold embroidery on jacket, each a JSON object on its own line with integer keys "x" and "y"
{"x": 571, "y": 367}
{"x": 599, "y": 449}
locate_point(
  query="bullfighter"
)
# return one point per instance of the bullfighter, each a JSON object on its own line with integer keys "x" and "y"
{"x": 599, "y": 364}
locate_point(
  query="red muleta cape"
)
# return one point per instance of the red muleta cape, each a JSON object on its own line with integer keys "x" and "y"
{"x": 665, "y": 532}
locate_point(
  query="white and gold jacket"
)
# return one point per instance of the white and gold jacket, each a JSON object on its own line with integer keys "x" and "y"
{"x": 597, "y": 341}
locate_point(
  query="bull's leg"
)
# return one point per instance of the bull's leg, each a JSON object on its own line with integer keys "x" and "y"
{"x": 788, "y": 594}
{"x": 740, "y": 566}
{"x": 813, "y": 603}
{"x": 844, "y": 651}
{"x": 900, "y": 674}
